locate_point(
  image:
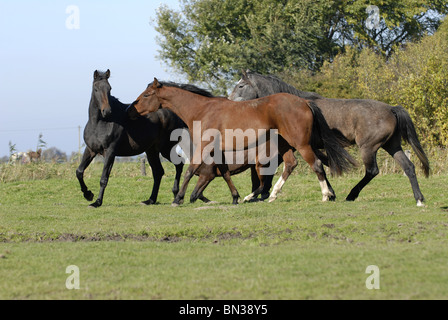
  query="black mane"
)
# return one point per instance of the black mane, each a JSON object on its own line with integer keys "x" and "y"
{"x": 188, "y": 87}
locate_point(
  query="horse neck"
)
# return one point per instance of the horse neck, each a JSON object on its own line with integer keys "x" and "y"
{"x": 118, "y": 113}
{"x": 277, "y": 86}
{"x": 187, "y": 105}
{"x": 94, "y": 110}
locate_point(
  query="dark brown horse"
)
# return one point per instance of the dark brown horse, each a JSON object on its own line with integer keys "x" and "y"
{"x": 35, "y": 156}
{"x": 298, "y": 121}
{"x": 369, "y": 124}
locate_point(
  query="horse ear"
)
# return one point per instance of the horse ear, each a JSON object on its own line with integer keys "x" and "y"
{"x": 244, "y": 72}
{"x": 155, "y": 83}
{"x": 95, "y": 75}
{"x": 107, "y": 74}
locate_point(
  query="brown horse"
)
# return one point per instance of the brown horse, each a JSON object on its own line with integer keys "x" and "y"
{"x": 35, "y": 156}
{"x": 299, "y": 122}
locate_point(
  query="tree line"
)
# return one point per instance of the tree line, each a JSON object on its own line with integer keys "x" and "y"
{"x": 392, "y": 51}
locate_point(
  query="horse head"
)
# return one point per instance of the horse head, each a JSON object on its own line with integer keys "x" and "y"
{"x": 101, "y": 92}
{"x": 244, "y": 89}
{"x": 147, "y": 102}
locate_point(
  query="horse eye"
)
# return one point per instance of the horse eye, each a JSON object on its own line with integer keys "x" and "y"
{"x": 146, "y": 95}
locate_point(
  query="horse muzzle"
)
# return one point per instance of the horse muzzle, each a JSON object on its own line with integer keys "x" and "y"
{"x": 106, "y": 113}
{"x": 132, "y": 112}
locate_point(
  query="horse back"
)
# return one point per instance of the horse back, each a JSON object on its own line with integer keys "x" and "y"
{"x": 358, "y": 119}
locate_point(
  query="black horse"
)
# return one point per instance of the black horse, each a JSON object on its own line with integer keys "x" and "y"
{"x": 369, "y": 124}
{"x": 110, "y": 133}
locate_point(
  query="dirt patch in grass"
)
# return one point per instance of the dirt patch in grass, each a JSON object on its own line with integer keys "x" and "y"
{"x": 70, "y": 237}
{"x": 96, "y": 237}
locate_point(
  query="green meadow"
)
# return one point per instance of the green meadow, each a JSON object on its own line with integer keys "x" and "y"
{"x": 297, "y": 247}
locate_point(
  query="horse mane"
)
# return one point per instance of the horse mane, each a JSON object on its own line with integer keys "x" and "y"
{"x": 188, "y": 87}
{"x": 268, "y": 84}
{"x": 115, "y": 103}
{"x": 114, "y": 99}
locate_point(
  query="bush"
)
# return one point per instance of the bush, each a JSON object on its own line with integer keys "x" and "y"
{"x": 415, "y": 77}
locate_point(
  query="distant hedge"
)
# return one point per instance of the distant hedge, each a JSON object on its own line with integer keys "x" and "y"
{"x": 415, "y": 76}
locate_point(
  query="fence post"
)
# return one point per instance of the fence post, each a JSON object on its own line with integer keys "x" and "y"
{"x": 143, "y": 166}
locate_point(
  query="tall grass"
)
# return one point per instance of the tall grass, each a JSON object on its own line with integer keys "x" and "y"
{"x": 41, "y": 170}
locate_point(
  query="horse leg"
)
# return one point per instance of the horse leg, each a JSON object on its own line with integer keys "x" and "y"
{"x": 257, "y": 186}
{"x": 203, "y": 182}
{"x": 165, "y": 151}
{"x": 268, "y": 180}
{"x": 202, "y": 197}
{"x": 290, "y": 162}
{"x": 254, "y": 178}
{"x": 409, "y": 169}
{"x": 225, "y": 172}
{"x": 207, "y": 174}
{"x": 261, "y": 185}
{"x": 189, "y": 173}
{"x": 315, "y": 163}
{"x": 179, "y": 169}
{"x": 107, "y": 168}
{"x": 157, "y": 174}
{"x": 368, "y": 156}
{"x": 87, "y": 158}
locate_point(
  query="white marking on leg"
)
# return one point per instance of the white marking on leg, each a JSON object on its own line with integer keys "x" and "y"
{"x": 249, "y": 197}
{"x": 278, "y": 186}
{"x": 420, "y": 203}
{"x": 326, "y": 193}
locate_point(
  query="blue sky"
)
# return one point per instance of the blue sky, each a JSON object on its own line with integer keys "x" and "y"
{"x": 46, "y": 69}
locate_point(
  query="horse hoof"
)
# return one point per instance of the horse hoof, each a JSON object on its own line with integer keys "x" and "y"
{"x": 420, "y": 204}
{"x": 147, "y": 202}
{"x": 204, "y": 199}
{"x": 272, "y": 199}
{"x": 175, "y": 204}
{"x": 88, "y": 196}
{"x": 94, "y": 205}
{"x": 264, "y": 197}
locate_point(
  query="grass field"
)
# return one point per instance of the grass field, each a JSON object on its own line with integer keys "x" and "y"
{"x": 294, "y": 248}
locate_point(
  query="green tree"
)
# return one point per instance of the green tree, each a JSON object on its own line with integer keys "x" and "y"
{"x": 400, "y": 21}
{"x": 419, "y": 77}
{"x": 210, "y": 41}
{"x": 416, "y": 77}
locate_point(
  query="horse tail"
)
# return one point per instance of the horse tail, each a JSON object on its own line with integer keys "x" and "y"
{"x": 407, "y": 130}
{"x": 337, "y": 158}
